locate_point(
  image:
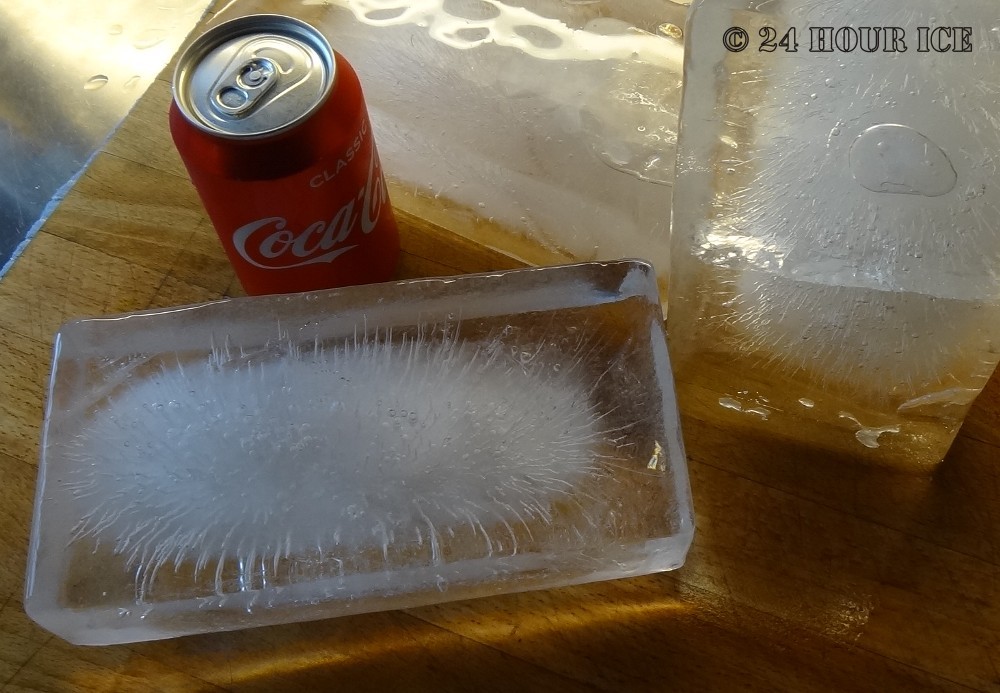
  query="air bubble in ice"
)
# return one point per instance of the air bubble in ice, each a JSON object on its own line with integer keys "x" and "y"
{"x": 892, "y": 158}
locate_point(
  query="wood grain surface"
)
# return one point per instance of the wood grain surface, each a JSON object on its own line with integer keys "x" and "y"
{"x": 808, "y": 572}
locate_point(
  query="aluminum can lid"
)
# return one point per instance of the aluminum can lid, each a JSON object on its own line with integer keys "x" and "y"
{"x": 254, "y": 76}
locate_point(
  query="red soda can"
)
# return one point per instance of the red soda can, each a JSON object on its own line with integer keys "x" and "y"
{"x": 273, "y": 129}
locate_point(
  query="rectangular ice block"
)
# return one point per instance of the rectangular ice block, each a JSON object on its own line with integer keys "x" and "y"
{"x": 285, "y": 458}
{"x": 836, "y": 225}
{"x": 543, "y": 128}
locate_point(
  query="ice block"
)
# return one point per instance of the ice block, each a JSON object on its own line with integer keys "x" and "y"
{"x": 836, "y": 220}
{"x": 543, "y": 128}
{"x": 285, "y": 458}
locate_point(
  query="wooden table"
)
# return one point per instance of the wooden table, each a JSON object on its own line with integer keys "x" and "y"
{"x": 808, "y": 573}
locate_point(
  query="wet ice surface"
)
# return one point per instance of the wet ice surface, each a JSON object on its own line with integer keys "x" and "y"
{"x": 72, "y": 72}
{"x": 840, "y": 232}
{"x": 306, "y": 466}
{"x": 553, "y": 121}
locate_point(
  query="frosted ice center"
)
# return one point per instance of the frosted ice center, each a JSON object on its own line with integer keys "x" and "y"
{"x": 235, "y": 458}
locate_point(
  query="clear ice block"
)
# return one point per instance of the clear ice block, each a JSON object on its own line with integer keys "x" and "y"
{"x": 836, "y": 220}
{"x": 543, "y": 128}
{"x": 287, "y": 458}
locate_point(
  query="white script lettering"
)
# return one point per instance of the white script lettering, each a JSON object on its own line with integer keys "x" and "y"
{"x": 322, "y": 241}
{"x": 330, "y": 172}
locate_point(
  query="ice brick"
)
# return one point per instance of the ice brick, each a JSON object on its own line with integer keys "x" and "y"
{"x": 287, "y": 458}
{"x": 836, "y": 230}
{"x": 542, "y": 128}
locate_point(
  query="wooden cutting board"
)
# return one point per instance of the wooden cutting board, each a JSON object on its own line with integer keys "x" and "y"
{"x": 808, "y": 573}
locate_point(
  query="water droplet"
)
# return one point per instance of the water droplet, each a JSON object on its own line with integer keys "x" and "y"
{"x": 670, "y": 31}
{"x": 869, "y": 435}
{"x": 730, "y": 403}
{"x": 897, "y": 159}
{"x": 131, "y": 82}
{"x": 807, "y": 403}
{"x": 95, "y": 82}
{"x": 116, "y": 29}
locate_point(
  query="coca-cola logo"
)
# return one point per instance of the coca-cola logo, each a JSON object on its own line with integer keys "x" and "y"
{"x": 269, "y": 243}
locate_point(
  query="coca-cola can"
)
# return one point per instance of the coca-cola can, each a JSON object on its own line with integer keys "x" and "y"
{"x": 272, "y": 126}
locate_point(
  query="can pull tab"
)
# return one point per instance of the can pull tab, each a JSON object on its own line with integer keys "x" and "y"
{"x": 244, "y": 87}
